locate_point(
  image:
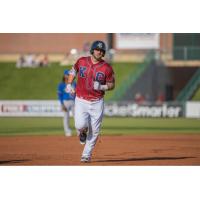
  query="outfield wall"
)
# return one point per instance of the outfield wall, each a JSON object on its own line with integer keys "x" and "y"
{"x": 124, "y": 109}
{"x": 64, "y": 42}
{"x": 40, "y": 108}
{"x": 45, "y": 42}
{"x": 192, "y": 109}
{"x": 52, "y": 108}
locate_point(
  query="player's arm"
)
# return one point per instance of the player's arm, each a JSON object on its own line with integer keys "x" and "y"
{"x": 110, "y": 82}
{"x": 111, "y": 85}
{"x": 60, "y": 93}
{"x": 71, "y": 77}
{"x": 60, "y": 97}
{"x": 106, "y": 87}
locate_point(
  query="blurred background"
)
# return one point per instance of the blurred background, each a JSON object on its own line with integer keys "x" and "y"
{"x": 157, "y": 77}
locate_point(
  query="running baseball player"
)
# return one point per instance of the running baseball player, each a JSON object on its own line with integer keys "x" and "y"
{"x": 94, "y": 77}
{"x": 66, "y": 101}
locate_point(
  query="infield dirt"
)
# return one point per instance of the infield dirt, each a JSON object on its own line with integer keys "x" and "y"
{"x": 141, "y": 150}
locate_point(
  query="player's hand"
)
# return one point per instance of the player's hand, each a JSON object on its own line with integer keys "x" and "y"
{"x": 64, "y": 108}
{"x": 97, "y": 85}
{"x": 69, "y": 89}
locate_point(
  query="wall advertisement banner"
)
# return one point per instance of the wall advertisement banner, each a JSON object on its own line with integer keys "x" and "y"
{"x": 192, "y": 109}
{"x": 137, "y": 40}
{"x": 53, "y": 109}
{"x": 135, "y": 110}
{"x": 30, "y": 109}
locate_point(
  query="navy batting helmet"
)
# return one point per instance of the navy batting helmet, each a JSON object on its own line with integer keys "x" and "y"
{"x": 100, "y": 45}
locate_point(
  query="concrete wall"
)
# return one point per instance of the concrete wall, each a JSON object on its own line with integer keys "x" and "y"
{"x": 158, "y": 80}
{"x": 60, "y": 42}
{"x": 46, "y": 42}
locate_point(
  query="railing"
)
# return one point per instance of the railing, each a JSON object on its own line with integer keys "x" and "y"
{"x": 190, "y": 88}
{"x": 186, "y": 53}
{"x": 120, "y": 92}
{"x": 179, "y": 53}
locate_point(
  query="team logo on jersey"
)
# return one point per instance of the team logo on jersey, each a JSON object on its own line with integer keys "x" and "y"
{"x": 100, "y": 77}
{"x": 82, "y": 71}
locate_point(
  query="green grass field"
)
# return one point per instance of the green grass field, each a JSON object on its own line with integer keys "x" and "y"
{"x": 53, "y": 126}
{"x": 196, "y": 96}
{"x": 41, "y": 83}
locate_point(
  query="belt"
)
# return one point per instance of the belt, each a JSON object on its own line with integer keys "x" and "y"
{"x": 97, "y": 99}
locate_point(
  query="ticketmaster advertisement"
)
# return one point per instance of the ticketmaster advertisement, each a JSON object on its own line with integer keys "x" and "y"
{"x": 122, "y": 109}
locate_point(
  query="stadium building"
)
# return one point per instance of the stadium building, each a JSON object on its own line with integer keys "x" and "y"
{"x": 169, "y": 61}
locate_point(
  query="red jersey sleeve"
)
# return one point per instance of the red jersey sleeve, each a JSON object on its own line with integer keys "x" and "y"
{"x": 76, "y": 65}
{"x": 110, "y": 76}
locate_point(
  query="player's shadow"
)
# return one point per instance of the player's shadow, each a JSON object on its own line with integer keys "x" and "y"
{"x": 10, "y": 162}
{"x": 143, "y": 159}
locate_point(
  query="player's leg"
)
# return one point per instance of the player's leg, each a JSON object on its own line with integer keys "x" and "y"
{"x": 96, "y": 115}
{"x": 81, "y": 117}
{"x": 67, "y": 129}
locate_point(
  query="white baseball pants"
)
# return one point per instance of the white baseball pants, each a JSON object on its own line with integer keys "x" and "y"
{"x": 89, "y": 114}
{"x": 69, "y": 105}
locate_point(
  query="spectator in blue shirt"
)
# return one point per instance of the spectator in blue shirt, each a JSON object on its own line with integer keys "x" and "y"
{"x": 66, "y": 101}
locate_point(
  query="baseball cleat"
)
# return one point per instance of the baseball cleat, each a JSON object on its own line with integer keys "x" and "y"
{"x": 85, "y": 159}
{"x": 82, "y": 138}
{"x": 68, "y": 134}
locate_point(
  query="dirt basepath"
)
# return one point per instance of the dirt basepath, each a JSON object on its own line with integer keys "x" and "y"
{"x": 110, "y": 150}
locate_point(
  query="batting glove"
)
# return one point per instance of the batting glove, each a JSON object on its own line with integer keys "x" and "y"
{"x": 69, "y": 89}
{"x": 97, "y": 85}
{"x": 64, "y": 108}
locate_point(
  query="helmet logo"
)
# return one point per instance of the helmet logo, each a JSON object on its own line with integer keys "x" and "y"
{"x": 100, "y": 45}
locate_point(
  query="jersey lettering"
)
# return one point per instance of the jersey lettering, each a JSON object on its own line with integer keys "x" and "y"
{"x": 82, "y": 71}
{"x": 100, "y": 76}
{"x": 88, "y": 73}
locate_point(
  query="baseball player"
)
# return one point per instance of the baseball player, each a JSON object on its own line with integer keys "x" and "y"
{"x": 94, "y": 77}
{"x": 66, "y": 101}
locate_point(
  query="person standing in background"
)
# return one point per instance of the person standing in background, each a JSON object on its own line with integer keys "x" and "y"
{"x": 67, "y": 102}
